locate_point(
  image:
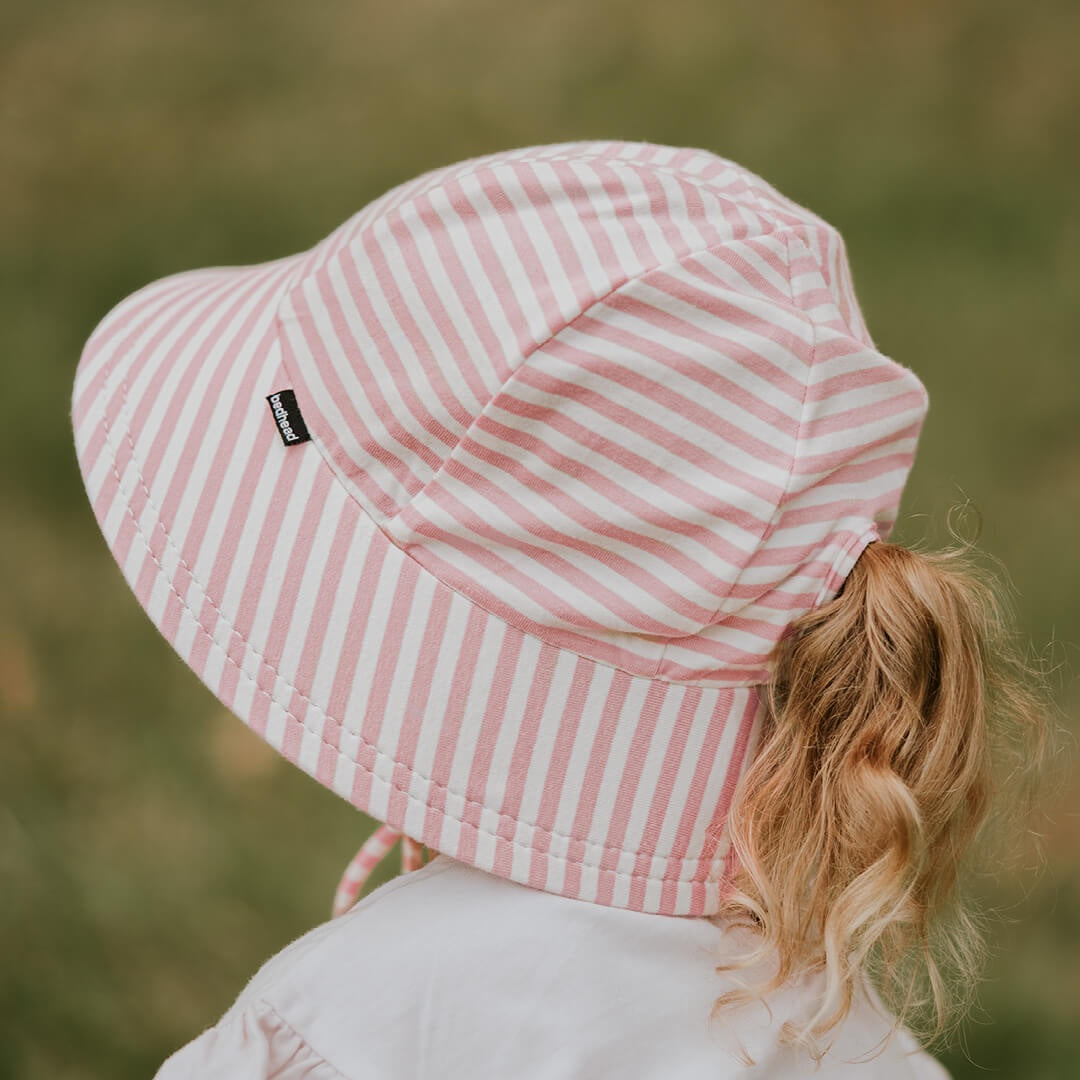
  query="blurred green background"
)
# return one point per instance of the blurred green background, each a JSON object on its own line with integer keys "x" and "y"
{"x": 153, "y": 853}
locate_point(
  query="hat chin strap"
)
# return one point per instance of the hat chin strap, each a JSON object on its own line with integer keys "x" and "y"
{"x": 374, "y": 849}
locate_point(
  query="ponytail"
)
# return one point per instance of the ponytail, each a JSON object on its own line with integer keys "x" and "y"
{"x": 888, "y": 710}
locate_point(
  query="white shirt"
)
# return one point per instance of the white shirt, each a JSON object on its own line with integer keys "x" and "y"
{"x": 448, "y": 973}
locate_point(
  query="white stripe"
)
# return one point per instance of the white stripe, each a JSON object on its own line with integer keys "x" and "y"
{"x": 486, "y": 681}
{"x": 667, "y": 719}
{"x": 541, "y": 759}
{"x": 601, "y": 203}
{"x": 253, "y": 418}
{"x": 580, "y": 232}
{"x": 593, "y": 563}
{"x": 443, "y": 350}
{"x": 574, "y": 783}
{"x": 403, "y": 658}
{"x": 503, "y": 249}
{"x": 542, "y": 240}
{"x": 451, "y": 647}
{"x": 491, "y": 303}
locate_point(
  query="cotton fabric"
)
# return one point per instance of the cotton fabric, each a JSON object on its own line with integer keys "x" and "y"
{"x": 450, "y": 973}
{"x": 590, "y": 424}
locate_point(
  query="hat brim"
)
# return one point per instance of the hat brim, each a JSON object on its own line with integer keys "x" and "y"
{"x": 352, "y": 660}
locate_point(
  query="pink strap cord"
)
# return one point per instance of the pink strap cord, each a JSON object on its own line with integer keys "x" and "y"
{"x": 374, "y": 849}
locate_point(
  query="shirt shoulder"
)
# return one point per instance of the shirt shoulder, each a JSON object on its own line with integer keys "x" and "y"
{"x": 252, "y": 1043}
{"x": 450, "y": 972}
{"x": 253, "y": 1040}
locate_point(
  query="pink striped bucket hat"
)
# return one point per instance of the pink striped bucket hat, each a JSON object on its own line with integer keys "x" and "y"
{"x": 488, "y": 510}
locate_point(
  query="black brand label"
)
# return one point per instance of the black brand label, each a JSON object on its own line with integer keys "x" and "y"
{"x": 290, "y": 423}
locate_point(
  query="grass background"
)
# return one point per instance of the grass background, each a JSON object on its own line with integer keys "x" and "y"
{"x": 152, "y": 851}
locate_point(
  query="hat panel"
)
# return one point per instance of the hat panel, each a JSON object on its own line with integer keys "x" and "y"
{"x": 401, "y": 336}
{"x": 610, "y": 495}
{"x": 861, "y": 421}
{"x": 855, "y": 447}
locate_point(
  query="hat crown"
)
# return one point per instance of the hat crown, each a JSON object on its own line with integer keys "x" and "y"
{"x": 618, "y": 394}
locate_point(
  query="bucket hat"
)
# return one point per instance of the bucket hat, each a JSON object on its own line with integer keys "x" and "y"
{"x": 488, "y": 510}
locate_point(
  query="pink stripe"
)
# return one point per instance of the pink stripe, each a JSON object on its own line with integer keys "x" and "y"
{"x": 823, "y": 463}
{"x": 659, "y": 211}
{"x": 654, "y": 390}
{"x": 622, "y": 205}
{"x": 341, "y": 548}
{"x": 214, "y": 484}
{"x": 124, "y": 442}
{"x": 597, "y": 649}
{"x": 451, "y": 721}
{"x": 515, "y": 782}
{"x": 288, "y": 588}
{"x": 603, "y": 248}
{"x": 423, "y": 680}
{"x": 495, "y": 273}
{"x": 691, "y": 813}
{"x": 431, "y": 368}
{"x": 754, "y": 281}
{"x": 661, "y": 803}
{"x": 525, "y": 582}
{"x": 255, "y": 581}
{"x": 92, "y": 372}
{"x": 848, "y": 382}
{"x": 464, "y": 290}
{"x": 872, "y": 412}
{"x": 524, "y": 437}
{"x": 241, "y": 501}
{"x": 183, "y": 403}
{"x": 731, "y": 778}
{"x": 473, "y": 480}
{"x": 637, "y": 421}
{"x": 555, "y": 780}
{"x": 484, "y": 751}
{"x": 381, "y": 347}
{"x": 629, "y": 788}
{"x": 570, "y": 268}
{"x": 528, "y": 261}
{"x": 599, "y": 755}
{"x": 718, "y": 321}
{"x": 382, "y": 678}
{"x": 349, "y": 655}
{"x": 113, "y": 405}
{"x": 185, "y": 466}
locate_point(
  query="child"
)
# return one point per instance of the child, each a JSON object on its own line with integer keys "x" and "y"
{"x": 542, "y": 511}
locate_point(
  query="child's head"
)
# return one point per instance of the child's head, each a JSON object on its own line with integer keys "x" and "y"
{"x": 489, "y": 510}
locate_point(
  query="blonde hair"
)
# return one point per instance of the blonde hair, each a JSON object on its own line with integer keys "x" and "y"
{"x": 890, "y": 712}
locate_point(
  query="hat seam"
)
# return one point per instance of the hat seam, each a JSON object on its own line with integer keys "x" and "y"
{"x": 869, "y": 532}
{"x": 785, "y": 234}
{"x": 683, "y": 861}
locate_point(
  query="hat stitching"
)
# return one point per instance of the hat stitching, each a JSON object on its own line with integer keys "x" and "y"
{"x": 682, "y": 861}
